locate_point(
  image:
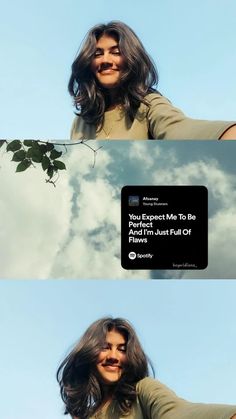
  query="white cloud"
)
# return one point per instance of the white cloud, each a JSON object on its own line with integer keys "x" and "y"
{"x": 71, "y": 231}
{"x": 138, "y": 153}
{"x": 222, "y": 224}
{"x": 80, "y": 159}
{"x": 222, "y": 244}
{"x": 34, "y": 220}
{"x": 92, "y": 249}
{"x": 220, "y": 184}
{"x": 149, "y": 154}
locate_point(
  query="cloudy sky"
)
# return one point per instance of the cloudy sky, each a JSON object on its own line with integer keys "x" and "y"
{"x": 187, "y": 328}
{"x": 73, "y": 230}
{"x": 192, "y": 44}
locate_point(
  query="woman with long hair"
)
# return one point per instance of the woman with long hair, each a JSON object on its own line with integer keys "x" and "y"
{"x": 106, "y": 376}
{"x": 113, "y": 84}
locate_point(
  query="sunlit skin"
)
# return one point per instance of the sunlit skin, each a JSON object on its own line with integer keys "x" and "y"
{"x": 108, "y": 63}
{"x": 111, "y": 360}
{"x": 230, "y": 134}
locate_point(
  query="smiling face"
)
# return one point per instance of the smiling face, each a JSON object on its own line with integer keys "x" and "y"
{"x": 108, "y": 63}
{"x": 112, "y": 357}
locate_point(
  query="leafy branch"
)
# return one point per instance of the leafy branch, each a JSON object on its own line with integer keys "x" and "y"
{"x": 29, "y": 153}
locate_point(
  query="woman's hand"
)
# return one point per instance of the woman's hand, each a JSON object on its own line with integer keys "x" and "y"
{"x": 229, "y": 134}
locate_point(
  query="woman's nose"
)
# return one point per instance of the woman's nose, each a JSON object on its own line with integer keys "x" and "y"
{"x": 112, "y": 355}
{"x": 106, "y": 58}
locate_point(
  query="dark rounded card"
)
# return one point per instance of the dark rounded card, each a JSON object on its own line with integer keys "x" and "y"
{"x": 164, "y": 227}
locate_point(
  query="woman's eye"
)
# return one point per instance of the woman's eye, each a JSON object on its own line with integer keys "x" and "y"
{"x": 122, "y": 349}
{"x": 97, "y": 54}
{"x": 104, "y": 347}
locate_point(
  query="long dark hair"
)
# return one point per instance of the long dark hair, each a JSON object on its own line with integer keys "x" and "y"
{"x": 138, "y": 78}
{"x": 80, "y": 388}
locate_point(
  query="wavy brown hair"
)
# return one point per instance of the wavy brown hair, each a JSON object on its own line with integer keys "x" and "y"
{"x": 138, "y": 78}
{"x": 81, "y": 390}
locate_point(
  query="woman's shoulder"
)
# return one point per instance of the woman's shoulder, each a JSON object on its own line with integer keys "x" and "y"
{"x": 155, "y": 98}
{"x": 151, "y": 390}
{"x": 153, "y": 94}
{"x": 149, "y": 384}
{"x": 146, "y": 382}
{"x": 155, "y": 104}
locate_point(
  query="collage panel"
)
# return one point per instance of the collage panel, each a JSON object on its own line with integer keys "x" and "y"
{"x": 117, "y": 261}
{"x": 69, "y": 226}
{"x": 186, "y": 329}
{"x": 191, "y": 45}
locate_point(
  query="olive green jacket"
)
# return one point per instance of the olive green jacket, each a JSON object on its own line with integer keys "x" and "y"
{"x": 160, "y": 120}
{"x": 156, "y": 401}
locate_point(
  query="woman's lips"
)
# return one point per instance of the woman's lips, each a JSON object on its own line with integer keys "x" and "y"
{"x": 112, "y": 367}
{"x": 107, "y": 71}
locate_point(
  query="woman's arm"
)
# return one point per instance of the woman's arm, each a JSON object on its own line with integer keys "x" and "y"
{"x": 159, "y": 402}
{"x": 167, "y": 122}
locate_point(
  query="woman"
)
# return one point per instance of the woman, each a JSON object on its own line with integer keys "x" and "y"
{"x": 106, "y": 377}
{"x": 113, "y": 84}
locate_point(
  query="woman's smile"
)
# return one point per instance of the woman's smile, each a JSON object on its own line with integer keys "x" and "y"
{"x": 107, "y": 71}
{"x": 111, "y": 368}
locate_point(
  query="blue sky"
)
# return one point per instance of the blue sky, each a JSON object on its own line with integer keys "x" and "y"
{"x": 186, "y": 327}
{"x": 192, "y": 44}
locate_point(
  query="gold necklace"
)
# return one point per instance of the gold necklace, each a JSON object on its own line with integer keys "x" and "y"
{"x": 107, "y": 133}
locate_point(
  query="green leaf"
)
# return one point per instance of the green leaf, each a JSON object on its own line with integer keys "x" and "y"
{"x": 37, "y": 157}
{"x": 50, "y": 146}
{"x": 50, "y": 171}
{"x": 19, "y": 155}
{"x": 55, "y": 154}
{"x": 43, "y": 148}
{"x": 14, "y": 145}
{"x": 29, "y": 152}
{"x": 35, "y": 154}
{"x": 2, "y": 142}
{"x": 28, "y": 143}
{"x": 45, "y": 162}
{"x": 23, "y": 165}
{"x": 59, "y": 164}
{"x": 35, "y": 145}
